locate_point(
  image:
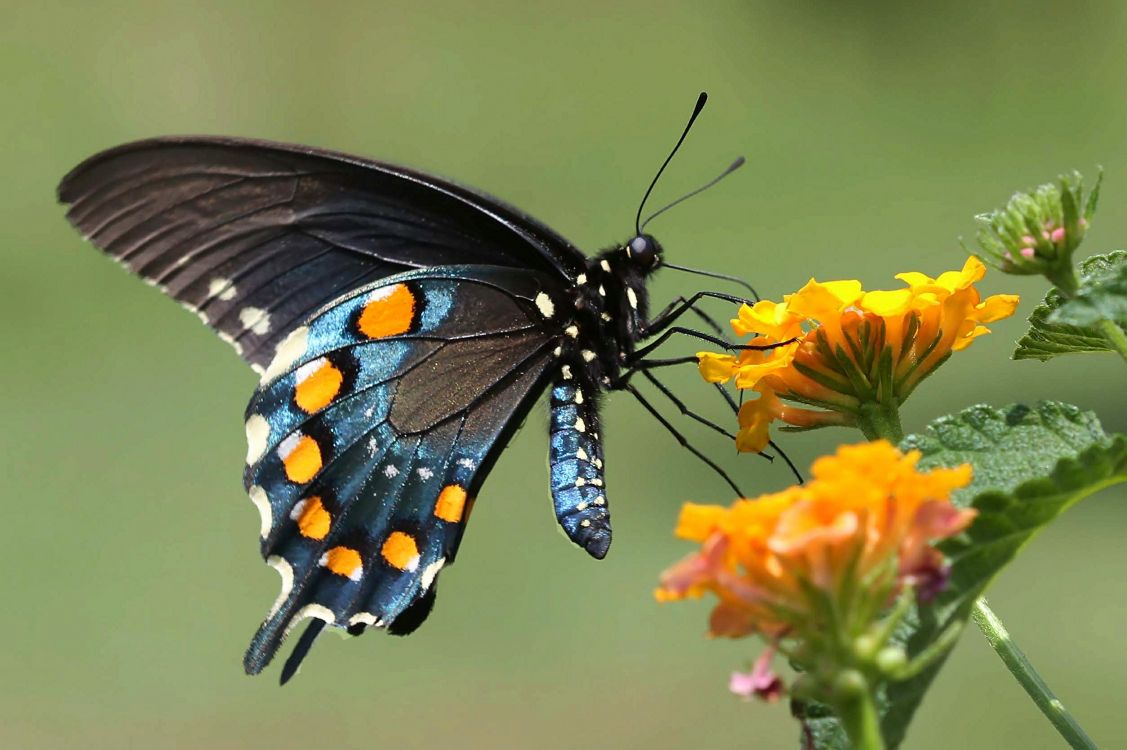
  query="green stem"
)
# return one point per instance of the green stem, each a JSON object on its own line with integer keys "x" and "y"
{"x": 1018, "y": 664}
{"x": 880, "y": 420}
{"x": 1114, "y": 335}
{"x": 855, "y": 706}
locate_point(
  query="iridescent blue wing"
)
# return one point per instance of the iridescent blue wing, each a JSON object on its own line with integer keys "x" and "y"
{"x": 254, "y": 236}
{"x": 372, "y": 431}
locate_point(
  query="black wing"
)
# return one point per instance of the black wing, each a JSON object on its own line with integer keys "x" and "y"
{"x": 255, "y": 236}
{"x": 371, "y": 434}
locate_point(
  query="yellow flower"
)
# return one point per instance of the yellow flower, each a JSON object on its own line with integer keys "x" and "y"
{"x": 853, "y": 355}
{"x": 826, "y": 554}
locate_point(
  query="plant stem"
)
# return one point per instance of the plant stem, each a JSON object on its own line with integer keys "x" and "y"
{"x": 855, "y": 706}
{"x": 1018, "y": 664}
{"x": 880, "y": 420}
{"x": 1114, "y": 335}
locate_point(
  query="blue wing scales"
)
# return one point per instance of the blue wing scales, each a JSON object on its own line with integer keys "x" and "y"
{"x": 372, "y": 432}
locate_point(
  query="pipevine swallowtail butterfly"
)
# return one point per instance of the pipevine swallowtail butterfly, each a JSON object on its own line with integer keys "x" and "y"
{"x": 403, "y": 326}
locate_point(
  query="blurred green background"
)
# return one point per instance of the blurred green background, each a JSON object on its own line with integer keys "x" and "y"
{"x": 874, "y": 132}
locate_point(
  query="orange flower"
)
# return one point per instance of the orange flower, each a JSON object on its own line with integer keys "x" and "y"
{"x": 853, "y": 355}
{"x": 828, "y": 553}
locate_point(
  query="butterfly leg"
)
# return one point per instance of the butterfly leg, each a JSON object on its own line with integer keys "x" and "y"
{"x": 645, "y": 367}
{"x": 689, "y": 305}
{"x": 679, "y": 307}
{"x": 681, "y": 438}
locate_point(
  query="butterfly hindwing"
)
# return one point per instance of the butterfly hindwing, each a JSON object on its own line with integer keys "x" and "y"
{"x": 255, "y": 236}
{"x": 372, "y": 432}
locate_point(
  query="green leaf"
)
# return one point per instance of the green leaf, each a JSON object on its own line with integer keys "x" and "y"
{"x": 1060, "y": 326}
{"x": 1030, "y": 465}
{"x": 1103, "y": 298}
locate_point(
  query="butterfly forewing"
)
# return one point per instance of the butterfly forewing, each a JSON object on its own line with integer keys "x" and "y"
{"x": 255, "y": 236}
{"x": 373, "y": 430}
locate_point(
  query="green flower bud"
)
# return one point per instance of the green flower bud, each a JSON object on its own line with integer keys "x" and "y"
{"x": 1037, "y": 232}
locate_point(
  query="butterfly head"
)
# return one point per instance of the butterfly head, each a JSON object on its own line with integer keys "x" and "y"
{"x": 644, "y": 252}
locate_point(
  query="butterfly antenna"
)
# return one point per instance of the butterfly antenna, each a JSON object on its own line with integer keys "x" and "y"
{"x": 714, "y": 275}
{"x": 692, "y": 118}
{"x": 731, "y": 168}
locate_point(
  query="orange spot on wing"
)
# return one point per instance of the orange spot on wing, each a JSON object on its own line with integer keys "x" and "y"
{"x": 313, "y": 522}
{"x": 344, "y": 561}
{"x": 451, "y": 503}
{"x": 401, "y": 551}
{"x": 302, "y": 459}
{"x": 389, "y": 312}
{"x": 318, "y": 388}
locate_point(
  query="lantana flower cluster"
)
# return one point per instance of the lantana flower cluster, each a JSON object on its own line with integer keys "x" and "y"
{"x": 853, "y": 355}
{"x": 818, "y": 563}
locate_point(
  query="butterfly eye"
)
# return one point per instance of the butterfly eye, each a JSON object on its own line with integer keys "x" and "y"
{"x": 644, "y": 251}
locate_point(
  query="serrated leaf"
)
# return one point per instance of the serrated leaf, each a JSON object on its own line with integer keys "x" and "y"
{"x": 1058, "y": 326}
{"x": 1031, "y": 464}
{"x": 1100, "y": 299}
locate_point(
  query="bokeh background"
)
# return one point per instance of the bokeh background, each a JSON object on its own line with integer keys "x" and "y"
{"x": 874, "y": 132}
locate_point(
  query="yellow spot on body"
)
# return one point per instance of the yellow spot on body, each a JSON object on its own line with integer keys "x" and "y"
{"x": 313, "y": 520}
{"x": 301, "y": 457}
{"x": 451, "y": 503}
{"x": 344, "y": 561}
{"x": 389, "y": 312}
{"x": 401, "y": 551}
{"x": 318, "y": 383}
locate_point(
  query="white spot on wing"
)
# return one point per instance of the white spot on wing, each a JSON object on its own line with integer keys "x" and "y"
{"x": 382, "y": 292}
{"x": 289, "y": 350}
{"x": 604, "y": 265}
{"x": 587, "y": 355}
{"x": 390, "y": 471}
{"x": 430, "y": 572}
{"x": 355, "y": 575}
{"x": 579, "y": 425}
{"x": 469, "y": 463}
{"x": 258, "y": 432}
{"x": 256, "y": 319}
{"x": 265, "y": 513}
{"x": 279, "y": 564}
{"x": 302, "y": 373}
{"x": 297, "y": 508}
{"x": 572, "y": 331}
{"x": 578, "y": 397}
{"x": 582, "y": 455}
{"x": 632, "y": 298}
{"x": 364, "y": 618}
{"x": 221, "y": 288}
{"x": 228, "y": 338}
{"x": 320, "y": 611}
{"x": 424, "y": 473}
{"x": 286, "y": 447}
{"x": 565, "y": 372}
{"x": 585, "y": 522}
{"x": 580, "y": 481}
{"x": 544, "y": 304}
{"x": 581, "y": 279}
{"x": 600, "y": 500}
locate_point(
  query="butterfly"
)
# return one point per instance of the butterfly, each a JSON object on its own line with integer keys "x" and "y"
{"x": 402, "y": 326}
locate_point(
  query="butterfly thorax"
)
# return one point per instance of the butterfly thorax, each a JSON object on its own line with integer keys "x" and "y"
{"x": 611, "y": 309}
